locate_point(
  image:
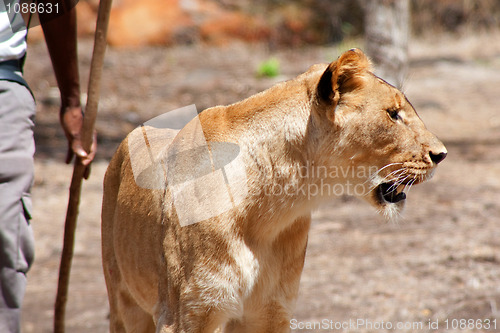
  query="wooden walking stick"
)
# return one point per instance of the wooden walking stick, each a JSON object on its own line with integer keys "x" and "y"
{"x": 79, "y": 169}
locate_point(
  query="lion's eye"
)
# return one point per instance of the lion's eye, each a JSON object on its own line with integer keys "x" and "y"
{"x": 393, "y": 113}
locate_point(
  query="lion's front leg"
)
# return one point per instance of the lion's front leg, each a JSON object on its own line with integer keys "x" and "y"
{"x": 188, "y": 310}
{"x": 196, "y": 320}
{"x": 274, "y": 317}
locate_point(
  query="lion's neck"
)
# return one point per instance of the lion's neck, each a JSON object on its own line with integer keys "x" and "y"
{"x": 285, "y": 179}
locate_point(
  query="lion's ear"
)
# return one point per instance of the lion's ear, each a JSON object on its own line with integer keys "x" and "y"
{"x": 343, "y": 75}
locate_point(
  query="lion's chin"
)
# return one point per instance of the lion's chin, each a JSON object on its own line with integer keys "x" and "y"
{"x": 389, "y": 200}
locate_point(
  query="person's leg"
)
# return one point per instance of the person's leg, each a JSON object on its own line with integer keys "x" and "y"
{"x": 17, "y": 111}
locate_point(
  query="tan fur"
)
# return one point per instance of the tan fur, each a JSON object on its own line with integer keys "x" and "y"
{"x": 240, "y": 271}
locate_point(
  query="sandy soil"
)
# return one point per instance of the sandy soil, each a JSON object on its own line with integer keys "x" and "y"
{"x": 441, "y": 262}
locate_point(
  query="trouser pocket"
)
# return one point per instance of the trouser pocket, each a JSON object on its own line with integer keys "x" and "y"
{"x": 26, "y": 248}
{"x": 17, "y": 256}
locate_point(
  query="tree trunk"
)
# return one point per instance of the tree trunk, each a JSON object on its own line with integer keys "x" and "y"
{"x": 386, "y": 37}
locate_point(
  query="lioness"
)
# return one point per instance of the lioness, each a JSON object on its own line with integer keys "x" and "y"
{"x": 238, "y": 270}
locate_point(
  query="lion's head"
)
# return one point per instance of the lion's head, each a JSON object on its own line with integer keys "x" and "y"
{"x": 374, "y": 126}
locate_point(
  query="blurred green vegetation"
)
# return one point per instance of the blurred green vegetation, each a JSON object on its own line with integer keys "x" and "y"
{"x": 269, "y": 68}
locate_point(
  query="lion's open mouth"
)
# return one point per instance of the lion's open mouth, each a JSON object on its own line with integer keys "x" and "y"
{"x": 390, "y": 192}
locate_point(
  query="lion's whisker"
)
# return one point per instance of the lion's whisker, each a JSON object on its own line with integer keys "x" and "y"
{"x": 409, "y": 185}
{"x": 396, "y": 174}
{"x": 399, "y": 182}
{"x": 384, "y": 167}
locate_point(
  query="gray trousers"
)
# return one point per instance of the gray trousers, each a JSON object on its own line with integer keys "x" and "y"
{"x": 17, "y": 112}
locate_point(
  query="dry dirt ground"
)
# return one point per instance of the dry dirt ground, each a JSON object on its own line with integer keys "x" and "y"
{"x": 440, "y": 264}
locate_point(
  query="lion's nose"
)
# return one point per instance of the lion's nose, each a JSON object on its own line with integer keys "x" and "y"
{"x": 436, "y": 158}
